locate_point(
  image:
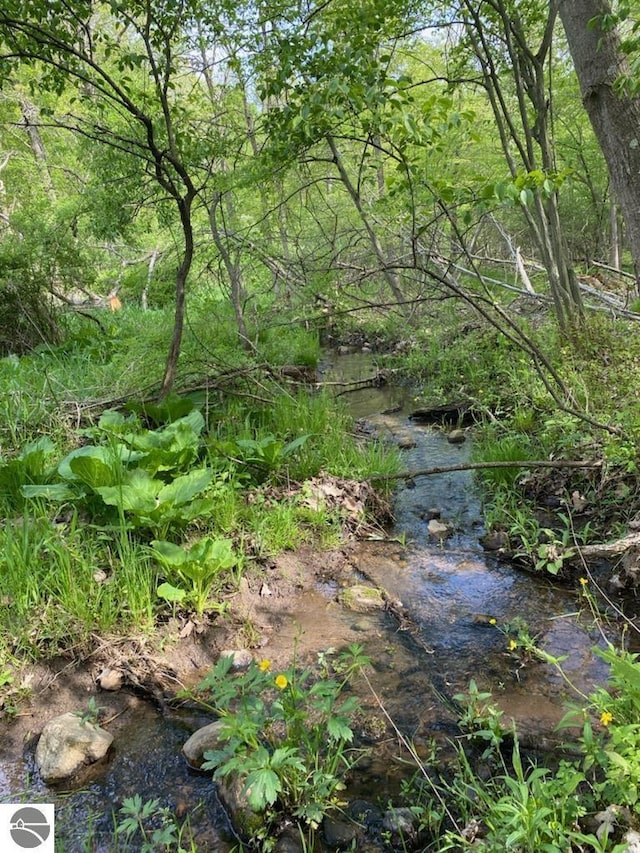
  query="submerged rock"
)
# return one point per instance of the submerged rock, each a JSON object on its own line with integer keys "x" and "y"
{"x": 362, "y": 598}
{"x": 438, "y": 529}
{"x": 457, "y": 436}
{"x": 400, "y": 822}
{"x": 67, "y": 744}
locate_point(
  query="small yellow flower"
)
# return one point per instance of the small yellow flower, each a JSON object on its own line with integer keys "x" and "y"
{"x": 264, "y": 665}
{"x": 606, "y": 717}
{"x": 493, "y": 621}
{"x": 281, "y": 681}
{"x": 584, "y": 581}
{"x": 513, "y": 645}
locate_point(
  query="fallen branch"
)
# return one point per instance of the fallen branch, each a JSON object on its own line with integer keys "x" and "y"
{"x": 478, "y": 466}
{"x": 610, "y": 550}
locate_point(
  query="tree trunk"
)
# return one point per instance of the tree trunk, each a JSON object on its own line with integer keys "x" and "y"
{"x": 233, "y": 268}
{"x": 171, "y": 367}
{"x": 30, "y": 120}
{"x": 614, "y": 236}
{"x": 389, "y": 274}
{"x": 525, "y": 132}
{"x": 615, "y": 117}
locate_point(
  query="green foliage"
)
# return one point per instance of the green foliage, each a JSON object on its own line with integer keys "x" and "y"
{"x": 493, "y": 447}
{"x": 197, "y": 569}
{"x": 481, "y": 719}
{"x": 286, "y": 735}
{"x": 129, "y": 471}
{"x": 147, "y": 826}
{"x": 262, "y": 456}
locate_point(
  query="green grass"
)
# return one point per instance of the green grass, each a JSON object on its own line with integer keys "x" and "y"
{"x": 79, "y": 568}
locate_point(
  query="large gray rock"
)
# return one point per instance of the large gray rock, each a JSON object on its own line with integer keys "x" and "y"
{"x": 231, "y": 788}
{"x": 208, "y": 737}
{"x": 67, "y": 744}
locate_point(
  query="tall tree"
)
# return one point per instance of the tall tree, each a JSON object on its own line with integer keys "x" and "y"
{"x": 614, "y": 110}
{"x": 128, "y": 62}
{"x": 512, "y": 45}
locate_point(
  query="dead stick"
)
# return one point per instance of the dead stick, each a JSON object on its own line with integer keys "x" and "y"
{"x": 474, "y": 466}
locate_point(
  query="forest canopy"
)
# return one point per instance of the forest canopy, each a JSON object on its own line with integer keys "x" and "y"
{"x": 277, "y": 154}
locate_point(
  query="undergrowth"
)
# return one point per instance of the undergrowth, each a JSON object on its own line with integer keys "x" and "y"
{"x": 117, "y": 517}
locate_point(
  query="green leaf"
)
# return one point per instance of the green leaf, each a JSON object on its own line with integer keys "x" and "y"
{"x": 338, "y": 729}
{"x": 185, "y": 488}
{"x": 171, "y": 593}
{"x": 52, "y": 491}
{"x": 137, "y": 494}
{"x": 93, "y": 471}
{"x": 100, "y": 455}
{"x": 169, "y": 554}
{"x": 262, "y": 788}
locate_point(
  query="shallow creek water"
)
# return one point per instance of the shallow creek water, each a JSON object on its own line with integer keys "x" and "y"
{"x": 449, "y": 590}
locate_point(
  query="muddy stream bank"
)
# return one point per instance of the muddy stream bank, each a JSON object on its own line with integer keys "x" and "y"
{"x": 434, "y": 638}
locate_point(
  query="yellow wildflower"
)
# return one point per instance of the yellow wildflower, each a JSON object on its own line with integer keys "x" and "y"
{"x": 493, "y": 621}
{"x": 281, "y": 681}
{"x": 513, "y": 645}
{"x": 584, "y": 581}
{"x": 264, "y": 665}
{"x": 606, "y": 717}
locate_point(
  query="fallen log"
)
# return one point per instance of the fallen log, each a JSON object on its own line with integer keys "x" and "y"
{"x": 478, "y": 466}
{"x": 610, "y": 550}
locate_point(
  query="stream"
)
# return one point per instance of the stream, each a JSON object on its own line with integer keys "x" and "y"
{"x": 449, "y": 591}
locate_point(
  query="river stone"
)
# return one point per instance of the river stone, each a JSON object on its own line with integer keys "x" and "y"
{"x": 362, "y": 598}
{"x": 406, "y": 442}
{"x": 457, "y": 436}
{"x": 290, "y": 842}
{"x": 338, "y": 833}
{"x": 632, "y": 839}
{"x": 231, "y": 791}
{"x": 242, "y": 658}
{"x": 494, "y": 541}
{"x": 110, "y": 679}
{"x": 400, "y": 822}
{"x": 67, "y": 744}
{"x": 365, "y": 813}
{"x": 438, "y": 529}
{"x": 208, "y": 737}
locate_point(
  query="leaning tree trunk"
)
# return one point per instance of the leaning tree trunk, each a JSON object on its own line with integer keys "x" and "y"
{"x": 390, "y": 275}
{"x": 171, "y": 366}
{"x": 615, "y": 116}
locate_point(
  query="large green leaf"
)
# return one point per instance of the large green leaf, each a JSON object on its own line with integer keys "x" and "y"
{"x": 183, "y": 489}
{"x": 34, "y": 455}
{"x": 52, "y": 492}
{"x": 171, "y": 408}
{"x": 218, "y": 553}
{"x": 171, "y": 593}
{"x": 94, "y": 471}
{"x": 101, "y": 455}
{"x": 136, "y": 494}
{"x": 169, "y": 554}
